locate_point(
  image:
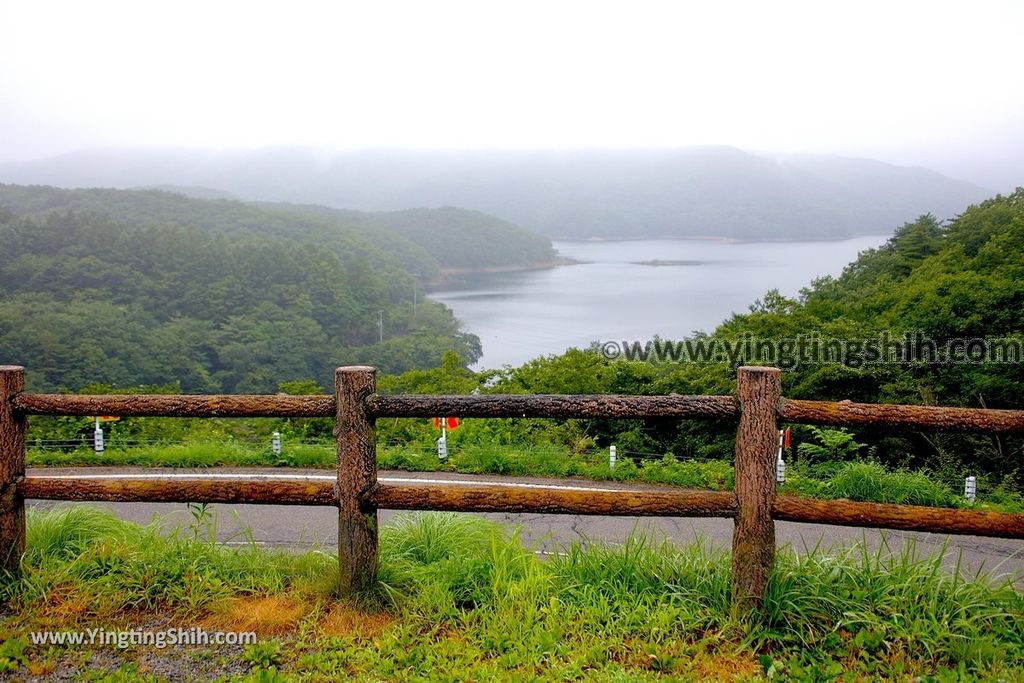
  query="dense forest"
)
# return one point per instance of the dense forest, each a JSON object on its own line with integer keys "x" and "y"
{"x": 423, "y": 241}
{"x": 149, "y": 287}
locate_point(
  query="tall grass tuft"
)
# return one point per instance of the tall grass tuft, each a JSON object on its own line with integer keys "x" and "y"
{"x": 893, "y": 600}
{"x": 89, "y": 555}
{"x": 870, "y": 481}
{"x": 64, "y": 532}
{"x": 447, "y": 561}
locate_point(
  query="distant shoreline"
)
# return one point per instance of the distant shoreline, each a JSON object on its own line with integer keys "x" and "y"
{"x": 450, "y": 276}
{"x": 723, "y": 240}
{"x": 453, "y": 276}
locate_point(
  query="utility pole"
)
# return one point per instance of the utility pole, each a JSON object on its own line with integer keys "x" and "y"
{"x": 380, "y": 325}
{"x": 415, "y": 292}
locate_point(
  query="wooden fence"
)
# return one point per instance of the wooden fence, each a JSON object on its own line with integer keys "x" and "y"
{"x": 758, "y": 408}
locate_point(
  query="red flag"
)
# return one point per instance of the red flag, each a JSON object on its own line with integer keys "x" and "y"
{"x": 785, "y": 439}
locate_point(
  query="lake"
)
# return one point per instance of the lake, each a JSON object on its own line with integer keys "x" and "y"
{"x": 615, "y": 294}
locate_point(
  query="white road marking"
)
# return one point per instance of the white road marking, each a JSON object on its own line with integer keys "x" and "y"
{"x": 320, "y": 477}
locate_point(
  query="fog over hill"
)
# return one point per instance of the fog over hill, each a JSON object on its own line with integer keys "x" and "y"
{"x": 683, "y": 192}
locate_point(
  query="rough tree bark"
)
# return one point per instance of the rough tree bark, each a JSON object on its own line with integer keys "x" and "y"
{"x": 354, "y": 432}
{"x": 553, "y": 500}
{"x": 192, "y": 489}
{"x": 753, "y": 538}
{"x": 159, "y": 405}
{"x": 12, "y": 469}
{"x": 607, "y": 406}
{"x": 896, "y": 417}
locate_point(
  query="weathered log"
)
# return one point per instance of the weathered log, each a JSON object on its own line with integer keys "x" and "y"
{"x": 12, "y": 468}
{"x": 753, "y": 537}
{"x": 904, "y": 517}
{"x": 159, "y": 405}
{"x": 355, "y": 435}
{"x": 555, "y": 406}
{"x": 197, "y": 489}
{"x": 938, "y": 418}
{"x": 553, "y": 500}
{"x": 287, "y": 490}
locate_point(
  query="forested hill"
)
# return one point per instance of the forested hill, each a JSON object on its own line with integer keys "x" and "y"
{"x": 957, "y": 281}
{"x": 146, "y": 287}
{"x": 423, "y": 240}
{"x": 455, "y": 238}
{"x": 960, "y": 280}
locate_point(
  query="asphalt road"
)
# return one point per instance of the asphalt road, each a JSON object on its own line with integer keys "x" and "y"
{"x": 306, "y": 527}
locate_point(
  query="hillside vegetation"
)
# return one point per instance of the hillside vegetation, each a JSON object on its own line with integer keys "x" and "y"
{"x": 959, "y": 280}
{"x": 148, "y": 287}
{"x": 423, "y": 241}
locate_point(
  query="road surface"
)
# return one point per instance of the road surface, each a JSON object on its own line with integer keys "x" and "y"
{"x": 305, "y": 527}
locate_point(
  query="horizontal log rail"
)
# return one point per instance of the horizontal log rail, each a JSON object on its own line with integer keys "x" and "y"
{"x": 605, "y": 406}
{"x": 191, "y": 489}
{"x": 840, "y": 414}
{"x": 358, "y": 494}
{"x": 495, "y": 497}
{"x": 160, "y": 405}
{"x": 554, "y": 500}
{"x": 901, "y": 517}
{"x": 487, "y": 405}
{"x": 890, "y": 416}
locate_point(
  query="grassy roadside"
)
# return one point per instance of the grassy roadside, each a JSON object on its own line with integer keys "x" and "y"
{"x": 860, "y": 481}
{"x": 459, "y": 598}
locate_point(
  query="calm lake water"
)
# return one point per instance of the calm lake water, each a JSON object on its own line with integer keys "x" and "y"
{"x": 613, "y": 296}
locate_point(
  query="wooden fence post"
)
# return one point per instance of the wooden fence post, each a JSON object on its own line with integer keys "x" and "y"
{"x": 753, "y": 537}
{"x": 12, "y": 468}
{"x": 355, "y": 436}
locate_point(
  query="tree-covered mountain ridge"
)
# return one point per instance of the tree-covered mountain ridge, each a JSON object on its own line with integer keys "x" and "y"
{"x": 425, "y": 241}
{"x": 130, "y": 287}
{"x": 715, "y": 191}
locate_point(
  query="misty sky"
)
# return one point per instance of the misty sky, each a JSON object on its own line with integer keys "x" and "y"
{"x": 930, "y": 83}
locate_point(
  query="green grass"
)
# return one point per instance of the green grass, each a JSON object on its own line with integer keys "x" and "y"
{"x": 225, "y": 453}
{"x": 870, "y": 481}
{"x": 460, "y": 598}
{"x": 113, "y": 565}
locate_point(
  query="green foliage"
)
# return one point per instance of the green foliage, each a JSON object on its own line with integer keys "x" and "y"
{"x": 65, "y": 532}
{"x": 142, "y": 287}
{"x": 118, "y": 566}
{"x": 462, "y": 596}
{"x": 452, "y": 238}
{"x": 12, "y": 654}
{"x": 262, "y": 655}
{"x": 226, "y": 453}
{"x": 870, "y": 481}
{"x": 833, "y": 445}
